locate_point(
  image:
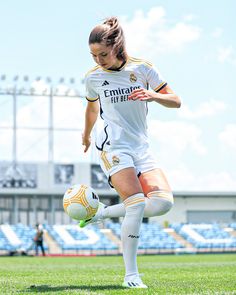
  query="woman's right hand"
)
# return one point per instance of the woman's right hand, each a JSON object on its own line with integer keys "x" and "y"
{"x": 86, "y": 141}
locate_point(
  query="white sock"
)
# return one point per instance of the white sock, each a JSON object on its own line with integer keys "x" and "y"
{"x": 113, "y": 211}
{"x": 130, "y": 230}
{"x": 158, "y": 203}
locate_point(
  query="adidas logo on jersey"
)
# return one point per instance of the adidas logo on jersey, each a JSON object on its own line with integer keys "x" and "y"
{"x": 105, "y": 83}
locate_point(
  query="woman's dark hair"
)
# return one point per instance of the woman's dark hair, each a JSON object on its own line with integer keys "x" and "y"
{"x": 110, "y": 33}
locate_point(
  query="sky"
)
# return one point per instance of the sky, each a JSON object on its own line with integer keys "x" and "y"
{"x": 193, "y": 45}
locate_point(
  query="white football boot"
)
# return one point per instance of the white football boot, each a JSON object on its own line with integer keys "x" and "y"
{"x": 134, "y": 283}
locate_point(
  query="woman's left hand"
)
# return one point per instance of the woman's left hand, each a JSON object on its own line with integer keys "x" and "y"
{"x": 141, "y": 94}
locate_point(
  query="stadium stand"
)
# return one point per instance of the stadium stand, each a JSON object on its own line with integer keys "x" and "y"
{"x": 105, "y": 239}
{"x": 233, "y": 225}
{"x": 18, "y": 238}
{"x": 4, "y": 242}
{"x": 206, "y": 236}
{"x": 152, "y": 237}
{"x": 71, "y": 237}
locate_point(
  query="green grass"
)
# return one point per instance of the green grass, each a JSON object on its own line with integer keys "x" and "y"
{"x": 184, "y": 274}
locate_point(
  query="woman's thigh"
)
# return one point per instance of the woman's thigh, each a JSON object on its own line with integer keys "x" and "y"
{"x": 126, "y": 183}
{"x": 154, "y": 180}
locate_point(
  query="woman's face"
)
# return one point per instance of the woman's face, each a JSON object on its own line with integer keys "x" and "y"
{"x": 104, "y": 56}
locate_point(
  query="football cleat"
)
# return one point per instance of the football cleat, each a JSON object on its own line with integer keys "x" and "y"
{"x": 96, "y": 218}
{"x": 134, "y": 283}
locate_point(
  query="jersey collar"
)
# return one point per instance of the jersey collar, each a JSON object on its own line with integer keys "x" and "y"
{"x": 117, "y": 70}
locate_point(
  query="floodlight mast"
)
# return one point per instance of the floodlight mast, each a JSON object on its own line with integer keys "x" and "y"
{"x": 14, "y": 148}
{"x": 50, "y": 127}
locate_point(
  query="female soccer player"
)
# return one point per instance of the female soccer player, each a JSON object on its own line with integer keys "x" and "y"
{"x": 119, "y": 87}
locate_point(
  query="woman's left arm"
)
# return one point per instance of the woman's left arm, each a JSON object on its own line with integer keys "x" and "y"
{"x": 165, "y": 96}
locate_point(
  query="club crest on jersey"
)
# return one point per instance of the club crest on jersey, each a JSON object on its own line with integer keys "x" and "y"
{"x": 115, "y": 160}
{"x": 132, "y": 78}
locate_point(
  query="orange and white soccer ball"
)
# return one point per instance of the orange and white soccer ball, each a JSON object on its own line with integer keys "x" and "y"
{"x": 80, "y": 202}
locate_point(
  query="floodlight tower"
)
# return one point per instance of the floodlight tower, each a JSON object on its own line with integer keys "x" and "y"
{"x": 50, "y": 122}
{"x": 14, "y": 148}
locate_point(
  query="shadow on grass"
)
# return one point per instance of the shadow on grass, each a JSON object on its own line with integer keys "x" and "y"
{"x": 48, "y": 288}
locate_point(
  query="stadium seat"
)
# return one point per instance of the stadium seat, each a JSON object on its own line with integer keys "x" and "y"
{"x": 206, "y": 236}
{"x": 71, "y": 237}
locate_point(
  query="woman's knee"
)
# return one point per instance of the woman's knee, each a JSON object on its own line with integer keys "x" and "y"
{"x": 159, "y": 203}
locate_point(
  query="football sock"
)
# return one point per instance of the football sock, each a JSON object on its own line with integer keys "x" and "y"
{"x": 130, "y": 229}
{"x": 157, "y": 203}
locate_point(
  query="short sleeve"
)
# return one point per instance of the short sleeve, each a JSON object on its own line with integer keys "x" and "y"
{"x": 155, "y": 79}
{"x": 91, "y": 94}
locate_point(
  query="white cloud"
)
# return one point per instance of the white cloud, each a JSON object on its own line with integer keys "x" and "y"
{"x": 154, "y": 33}
{"x": 227, "y": 55}
{"x": 189, "y": 17}
{"x": 228, "y": 136}
{"x": 32, "y": 112}
{"x": 68, "y": 148}
{"x": 217, "y": 181}
{"x": 68, "y": 112}
{"x": 174, "y": 39}
{"x": 217, "y": 33}
{"x": 32, "y": 145}
{"x": 205, "y": 109}
{"x": 182, "y": 178}
{"x": 6, "y": 137}
{"x": 176, "y": 137}
{"x": 181, "y": 152}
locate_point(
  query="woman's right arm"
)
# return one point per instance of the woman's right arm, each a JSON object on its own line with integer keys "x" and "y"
{"x": 91, "y": 115}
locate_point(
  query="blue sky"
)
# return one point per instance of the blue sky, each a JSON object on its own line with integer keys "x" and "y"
{"x": 193, "y": 45}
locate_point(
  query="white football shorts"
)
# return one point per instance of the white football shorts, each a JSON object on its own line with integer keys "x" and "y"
{"x": 113, "y": 161}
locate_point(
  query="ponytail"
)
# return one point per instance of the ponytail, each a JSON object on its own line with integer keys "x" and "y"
{"x": 111, "y": 34}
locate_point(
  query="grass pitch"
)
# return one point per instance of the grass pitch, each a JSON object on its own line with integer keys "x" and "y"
{"x": 184, "y": 274}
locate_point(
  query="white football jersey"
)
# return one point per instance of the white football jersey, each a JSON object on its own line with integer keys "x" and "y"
{"x": 125, "y": 123}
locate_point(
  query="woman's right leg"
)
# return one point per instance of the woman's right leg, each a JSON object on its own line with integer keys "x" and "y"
{"x": 129, "y": 188}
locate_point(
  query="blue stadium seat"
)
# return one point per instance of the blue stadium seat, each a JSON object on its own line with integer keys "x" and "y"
{"x": 89, "y": 238}
{"x": 206, "y": 236}
{"x": 152, "y": 236}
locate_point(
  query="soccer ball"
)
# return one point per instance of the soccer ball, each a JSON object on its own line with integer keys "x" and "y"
{"x": 80, "y": 202}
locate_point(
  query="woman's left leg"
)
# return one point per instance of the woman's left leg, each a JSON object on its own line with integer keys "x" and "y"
{"x": 158, "y": 192}
{"x": 158, "y": 201}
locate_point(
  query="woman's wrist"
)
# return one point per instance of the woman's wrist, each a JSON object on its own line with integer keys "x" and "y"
{"x": 156, "y": 97}
{"x": 86, "y": 135}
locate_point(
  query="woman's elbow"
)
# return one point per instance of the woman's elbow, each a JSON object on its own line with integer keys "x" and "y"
{"x": 178, "y": 102}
